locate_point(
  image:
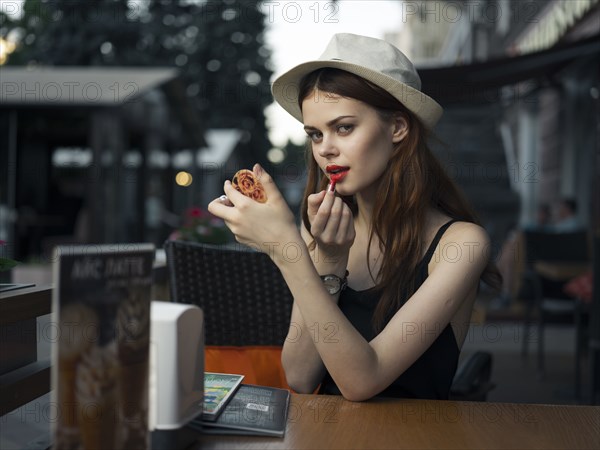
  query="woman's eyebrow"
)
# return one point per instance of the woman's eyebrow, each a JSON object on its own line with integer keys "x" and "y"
{"x": 330, "y": 123}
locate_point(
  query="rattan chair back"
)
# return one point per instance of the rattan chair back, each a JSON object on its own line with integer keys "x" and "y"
{"x": 245, "y": 299}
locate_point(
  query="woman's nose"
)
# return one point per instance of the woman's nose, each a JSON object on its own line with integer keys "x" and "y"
{"x": 328, "y": 147}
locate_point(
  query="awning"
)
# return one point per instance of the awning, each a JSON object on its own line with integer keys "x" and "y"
{"x": 480, "y": 82}
{"x": 82, "y": 86}
{"x": 93, "y": 86}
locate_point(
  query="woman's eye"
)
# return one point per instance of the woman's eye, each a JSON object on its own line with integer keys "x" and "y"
{"x": 344, "y": 129}
{"x": 314, "y": 136}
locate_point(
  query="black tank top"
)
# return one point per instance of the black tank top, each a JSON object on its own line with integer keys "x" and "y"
{"x": 430, "y": 377}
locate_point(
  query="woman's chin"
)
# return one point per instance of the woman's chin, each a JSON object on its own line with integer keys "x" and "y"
{"x": 344, "y": 191}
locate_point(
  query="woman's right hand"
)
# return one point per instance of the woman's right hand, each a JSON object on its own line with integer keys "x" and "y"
{"x": 332, "y": 226}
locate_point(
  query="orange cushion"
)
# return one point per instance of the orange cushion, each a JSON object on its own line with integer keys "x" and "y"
{"x": 261, "y": 365}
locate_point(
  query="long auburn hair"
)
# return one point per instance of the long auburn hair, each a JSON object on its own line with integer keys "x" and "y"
{"x": 414, "y": 179}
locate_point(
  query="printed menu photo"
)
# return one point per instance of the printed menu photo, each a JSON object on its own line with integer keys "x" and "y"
{"x": 101, "y": 305}
{"x": 218, "y": 390}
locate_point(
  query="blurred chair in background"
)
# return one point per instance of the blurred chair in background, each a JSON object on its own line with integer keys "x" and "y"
{"x": 246, "y": 302}
{"x": 472, "y": 380}
{"x": 552, "y": 259}
{"x": 581, "y": 288}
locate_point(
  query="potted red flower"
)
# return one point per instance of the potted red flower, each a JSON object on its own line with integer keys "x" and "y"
{"x": 201, "y": 226}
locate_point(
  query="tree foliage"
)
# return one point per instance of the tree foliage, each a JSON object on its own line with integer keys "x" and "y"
{"x": 218, "y": 47}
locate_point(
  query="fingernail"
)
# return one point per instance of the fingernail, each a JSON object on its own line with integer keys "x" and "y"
{"x": 258, "y": 170}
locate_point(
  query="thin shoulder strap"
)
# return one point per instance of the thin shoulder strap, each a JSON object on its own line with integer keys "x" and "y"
{"x": 436, "y": 240}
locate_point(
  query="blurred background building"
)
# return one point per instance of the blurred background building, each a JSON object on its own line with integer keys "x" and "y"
{"x": 525, "y": 76}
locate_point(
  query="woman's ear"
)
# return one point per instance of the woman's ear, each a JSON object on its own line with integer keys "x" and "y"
{"x": 400, "y": 129}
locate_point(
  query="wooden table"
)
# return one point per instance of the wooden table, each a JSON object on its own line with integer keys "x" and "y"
{"x": 22, "y": 377}
{"x": 331, "y": 422}
{"x": 25, "y": 303}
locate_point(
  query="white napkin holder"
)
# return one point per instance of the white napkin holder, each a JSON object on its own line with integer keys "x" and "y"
{"x": 176, "y": 365}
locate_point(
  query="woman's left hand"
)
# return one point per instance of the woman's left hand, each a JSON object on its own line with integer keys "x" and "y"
{"x": 267, "y": 227}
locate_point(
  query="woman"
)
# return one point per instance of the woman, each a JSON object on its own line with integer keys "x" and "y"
{"x": 385, "y": 270}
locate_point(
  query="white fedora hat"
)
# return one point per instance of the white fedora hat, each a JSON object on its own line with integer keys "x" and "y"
{"x": 374, "y": 60}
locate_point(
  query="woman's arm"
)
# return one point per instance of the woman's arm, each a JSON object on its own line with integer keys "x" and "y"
{"x": 301, "y": 361}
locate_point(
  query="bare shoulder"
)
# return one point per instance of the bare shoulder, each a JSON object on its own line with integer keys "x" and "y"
{"x": 465, "y": 232}
{"x": 464, "y": 242}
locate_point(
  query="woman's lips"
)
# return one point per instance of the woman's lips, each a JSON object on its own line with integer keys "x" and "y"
{"x": 336, "y": 174}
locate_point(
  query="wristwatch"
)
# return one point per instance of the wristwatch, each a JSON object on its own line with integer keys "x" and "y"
{"x": 335, "y": 284}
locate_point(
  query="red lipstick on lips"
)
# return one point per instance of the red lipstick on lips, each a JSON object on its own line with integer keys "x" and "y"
{"x": 336, "y": 174}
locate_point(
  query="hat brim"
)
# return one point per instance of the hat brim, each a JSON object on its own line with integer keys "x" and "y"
{"x": 285, "y": 89}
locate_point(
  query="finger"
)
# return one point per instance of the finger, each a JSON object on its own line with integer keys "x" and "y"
{"x": 328, "y": 200}
{"x": 323, "y": 215}
{"x": 218, "y": 208}
{"x": 346, "y": 226}
{"x": 335, "y": 217}
{"x": 267, "y": 182}
{"x": 320, "y": 218}
{"x": 225, "y": 200}
{"x": 235, "y": 197}
{"x": 314, "y": 201}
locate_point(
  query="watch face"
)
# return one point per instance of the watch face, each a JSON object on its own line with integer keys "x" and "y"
{"x": 332, "y": 284}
